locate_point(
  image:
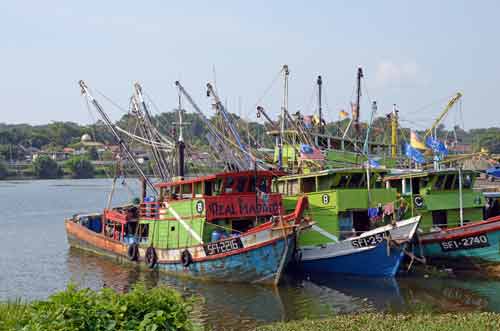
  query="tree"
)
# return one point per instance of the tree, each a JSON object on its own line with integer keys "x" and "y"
{"x": 81, "y": 167}
{"x": 46, "y": 168}
{"x": 93, "y": 155}
{"x": 3, "y": 169}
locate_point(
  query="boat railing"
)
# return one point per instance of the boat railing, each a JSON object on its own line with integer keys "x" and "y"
{"x": 149, "y": 210}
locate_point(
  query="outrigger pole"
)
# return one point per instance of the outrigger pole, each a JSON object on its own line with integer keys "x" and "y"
{"x": 147, "y": 124}
{"x": 320, "y": 83}
{"x": 120, "y": 141}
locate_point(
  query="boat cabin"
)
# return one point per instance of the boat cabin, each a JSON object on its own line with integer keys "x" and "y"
{"x": 204, "y": 209}
{"x": 339, "y": 200}
{"x": 436, "y": 196}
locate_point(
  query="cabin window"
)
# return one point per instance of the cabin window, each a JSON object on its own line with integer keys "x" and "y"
{"x": 218, "y": 186}
{"x": 309, "y": 184}
{"x": 439, "y": 218}
{"x": 293, "y": 187}
{"x": 281, "y": 187}
{"x": 407, "y": 186}
{"x": 241, "y": 184}
{"x": 187, "y": 191}
{"x": 439, "y": 182}
{"x": 208, "y": 188}
{"x": 356, "y": 180}
{"x": 174, "y": 192}
{"x": 143, "y": 232}
{"x": 251, "y": 184}
{"x": 467, "y": 181}
{"x": 424, "y": 181}
{"x": 228, "y": 186}
{"x": 415, "y": 185}
{"x": 325, "y": 183}
{"x": 448, "y": 183}
{"x": 198, "y": 189}
{"x": 263, "y": 184}
{"x": 344, "y": 179}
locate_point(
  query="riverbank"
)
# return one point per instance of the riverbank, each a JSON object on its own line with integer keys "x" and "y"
{"x": 159, "y": 308}
{"x": 408, "y": 322}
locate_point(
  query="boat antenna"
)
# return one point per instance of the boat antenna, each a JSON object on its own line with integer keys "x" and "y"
{"x": 121, "y": 142}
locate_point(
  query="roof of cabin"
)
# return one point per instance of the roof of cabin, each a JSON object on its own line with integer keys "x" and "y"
{"x": 334, "y": 171}
{"x": 261, "y": 173}
{"x": 421, "y": 173}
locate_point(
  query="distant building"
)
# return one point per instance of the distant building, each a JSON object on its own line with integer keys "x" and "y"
{"x": 461, "y": 148}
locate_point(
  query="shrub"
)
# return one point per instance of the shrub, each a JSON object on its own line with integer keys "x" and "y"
{"x": 4, "y": 172}
{"x": 46, "y": 168}
{"x": 80, "y": 167}
{"x": 75, "y": 309}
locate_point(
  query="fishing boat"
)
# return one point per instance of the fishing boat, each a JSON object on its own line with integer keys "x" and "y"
{"x": 225, "y": 227}
{"x": 454, "y": 231}
{"x": 344, "y": 239}
{"x": 214, "y": 227}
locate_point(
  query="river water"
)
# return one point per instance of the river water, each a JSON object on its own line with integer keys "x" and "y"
{"x": 36, "y": 261}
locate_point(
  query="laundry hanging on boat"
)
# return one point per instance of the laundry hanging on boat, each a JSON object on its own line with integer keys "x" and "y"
{"x": 388, "y": 209}
{"x": 373, "y": 212}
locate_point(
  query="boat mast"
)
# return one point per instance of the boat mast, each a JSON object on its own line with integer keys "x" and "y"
{"x": 365, "y": 146}
{"x": 460, "y": 197}
{"x": 111, "y": 127}
{"x": 358, "y": 99}
{"x": 394, "y": 131}
{"x": 180, "y": 145}
{"x": 284, "y": 108}
{"x": 320, "y": 83}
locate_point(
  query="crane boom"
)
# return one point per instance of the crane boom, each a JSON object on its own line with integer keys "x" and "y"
{"x": 450, "y": 104}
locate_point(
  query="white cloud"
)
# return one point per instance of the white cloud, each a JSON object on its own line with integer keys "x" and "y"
{"x": 399, "y": 75}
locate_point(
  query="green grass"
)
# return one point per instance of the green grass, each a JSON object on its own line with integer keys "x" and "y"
{"x": 393, "y": 322}
{"x": 141, "y": 309}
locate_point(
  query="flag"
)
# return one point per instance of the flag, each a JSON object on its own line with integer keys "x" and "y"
{"x": 343, "y": 114}
{"x": 414, "y": 154}
{"x": 372, "y": 164}
{"x": 415, "y": 141}
{"x": 436, "y": 145}
{"x": 308, "y": 152}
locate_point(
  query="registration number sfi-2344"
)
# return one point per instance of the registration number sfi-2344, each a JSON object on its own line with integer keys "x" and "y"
{"x": 223, "y": 246}
{"x": 477, "y": 241}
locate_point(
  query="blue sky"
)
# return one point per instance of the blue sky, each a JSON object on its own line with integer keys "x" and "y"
{"x": 416, "y": 54}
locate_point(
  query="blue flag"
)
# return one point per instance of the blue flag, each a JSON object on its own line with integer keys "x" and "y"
{"x": 372, "y": 163}
{"x": 436, "y": 145}
{"x": 414, "y": 154}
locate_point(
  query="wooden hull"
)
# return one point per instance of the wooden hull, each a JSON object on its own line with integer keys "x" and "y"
{"x": 265, "y": 253}
{"x": 472, "y": 246}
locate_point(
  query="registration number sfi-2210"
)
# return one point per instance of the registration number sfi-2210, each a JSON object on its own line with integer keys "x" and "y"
{"x": 368, "y": 241}
{"x": 223, "y": 246}
{"x": 471, "y": 242}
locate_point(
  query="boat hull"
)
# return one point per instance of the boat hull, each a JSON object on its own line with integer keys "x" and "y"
{"x": 261, "y": 263}
{"x": 374, "y": 262}
{"x": 467, "y": 247}
{"x": 376, "y": 253}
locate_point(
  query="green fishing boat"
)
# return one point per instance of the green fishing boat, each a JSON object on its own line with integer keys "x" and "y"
{"x": 455, "y": 233}
{"x": 345, "y": 239}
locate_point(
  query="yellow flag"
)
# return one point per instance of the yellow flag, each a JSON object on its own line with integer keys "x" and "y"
{"x": 416, "y": 142}
{"x": 343, "y": 114}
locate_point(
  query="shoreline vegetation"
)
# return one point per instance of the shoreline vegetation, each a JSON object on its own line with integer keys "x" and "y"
{"x": 459, "y": 321}
{"x": 156, "y": 309}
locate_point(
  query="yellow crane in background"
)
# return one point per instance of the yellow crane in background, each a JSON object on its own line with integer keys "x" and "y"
{"x": 450, "y": 104}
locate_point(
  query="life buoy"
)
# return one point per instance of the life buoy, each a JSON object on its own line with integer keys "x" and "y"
{"x": 186, "y": 258}
{"x": 133, "y": 252}
{"x": 418, "y": 201}
{"x": 151, "y": 257}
